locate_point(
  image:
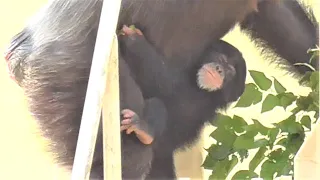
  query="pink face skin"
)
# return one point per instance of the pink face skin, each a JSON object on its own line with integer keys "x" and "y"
{"x": 209, "y": 79}
{"x": 213, "y": 78}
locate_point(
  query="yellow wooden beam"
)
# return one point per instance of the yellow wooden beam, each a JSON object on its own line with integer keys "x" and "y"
{"x": 307, "y": 160}
{"x": 111, "y": 119}
{"x": 93, "y": 101}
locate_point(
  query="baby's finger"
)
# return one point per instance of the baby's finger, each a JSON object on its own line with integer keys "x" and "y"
{"x": 126, "y": 121}
{"x": 130, "y": 129}
{"x": 127, "y": 113}
{"x": 124, "y": 127}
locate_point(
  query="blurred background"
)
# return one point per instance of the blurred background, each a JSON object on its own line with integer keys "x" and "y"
{"x": 23, "y": 152}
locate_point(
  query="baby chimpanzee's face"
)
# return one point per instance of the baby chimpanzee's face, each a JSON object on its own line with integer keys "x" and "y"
{"x": 216, "y": 70}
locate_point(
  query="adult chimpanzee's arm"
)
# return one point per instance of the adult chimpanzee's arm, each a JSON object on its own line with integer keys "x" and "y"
{"x": 287, "y": 28}
{"x": 147, "y": 65}
{"x": 162, "y": 166}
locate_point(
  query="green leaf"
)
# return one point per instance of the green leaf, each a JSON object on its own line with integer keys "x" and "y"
{"x": 282, "y": 142}
{"x": 209, "y": 163}
{"x": 238, "y": 123}
{"x": 304, "y": 81}
{"x": 244, "y": 142}
{"x": 284, "y": 165}
{"x": 251, "y": 130}
{"x": 260, "y": 79}
{"x": 295, "y": 128}
{"x": 233, "y": 162}
{"x": 278, "y": 87}
{"x": 287, "y": 123}
{"x": 285, "y": 169}
{"x": 316, "y": 116}
{"x": 257, "y": 159}
{"x": 220, "y": 170}
{"x": 290, "y": 125}
{"x": 259, "y": 127}
{"x": 251, "y": 95}
{"x": 315, "y": 97}
{"x": 268, "y": 170}
{"x": 133, "y": 27}
{"x": 274, "y": 155}
{"x": 312, "y": 107}
{"x": 221, "y": 120}
{"x": 235, "y": 123}
{"x": 224, "y": 136}
{"x": 269, "y": 103}
{"x": 282, "y": 161}
{"x": 286, "y": 99}
{"x": 296, "y": 110}
{"x": 303, "y": 102}
{"x": 243, "y": 153}
{"x": 306, "y": 121}
{"x": 294, "y": 142}
{"x": 272, "y": 134}
{"x": 213, "y": 177}
{"x": 260, "y": 143}
{"x": 244, "y": 175}
{"x": 257, "y": 97}
{"x": 219, "y": 152}
{"x": 314, "y": 80}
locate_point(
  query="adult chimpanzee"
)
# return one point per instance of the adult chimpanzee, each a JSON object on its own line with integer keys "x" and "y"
{"x": 191, "y": 95}
{"x": 209, "y": 83}
{"x": 145, "y": 118}
{"x": 55, "y": 61}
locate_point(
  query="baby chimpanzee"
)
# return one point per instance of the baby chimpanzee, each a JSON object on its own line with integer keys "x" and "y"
{"x": 191, "y": 96}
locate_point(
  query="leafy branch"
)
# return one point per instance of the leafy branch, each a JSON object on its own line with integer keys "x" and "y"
{"x": 277, "y": 145}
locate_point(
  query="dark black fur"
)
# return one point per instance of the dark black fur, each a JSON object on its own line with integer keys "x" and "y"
{"x": 151, "y": 112}
{"x": 53, "y": 63}
{"x": 136, "y": 157}
{"x": 188, "y": 106}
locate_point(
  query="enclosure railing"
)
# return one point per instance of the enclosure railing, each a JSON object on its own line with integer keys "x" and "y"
{"x": 103, "y": 73}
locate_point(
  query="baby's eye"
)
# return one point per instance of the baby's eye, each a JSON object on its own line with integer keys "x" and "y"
{"x": 218, "y": 68}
